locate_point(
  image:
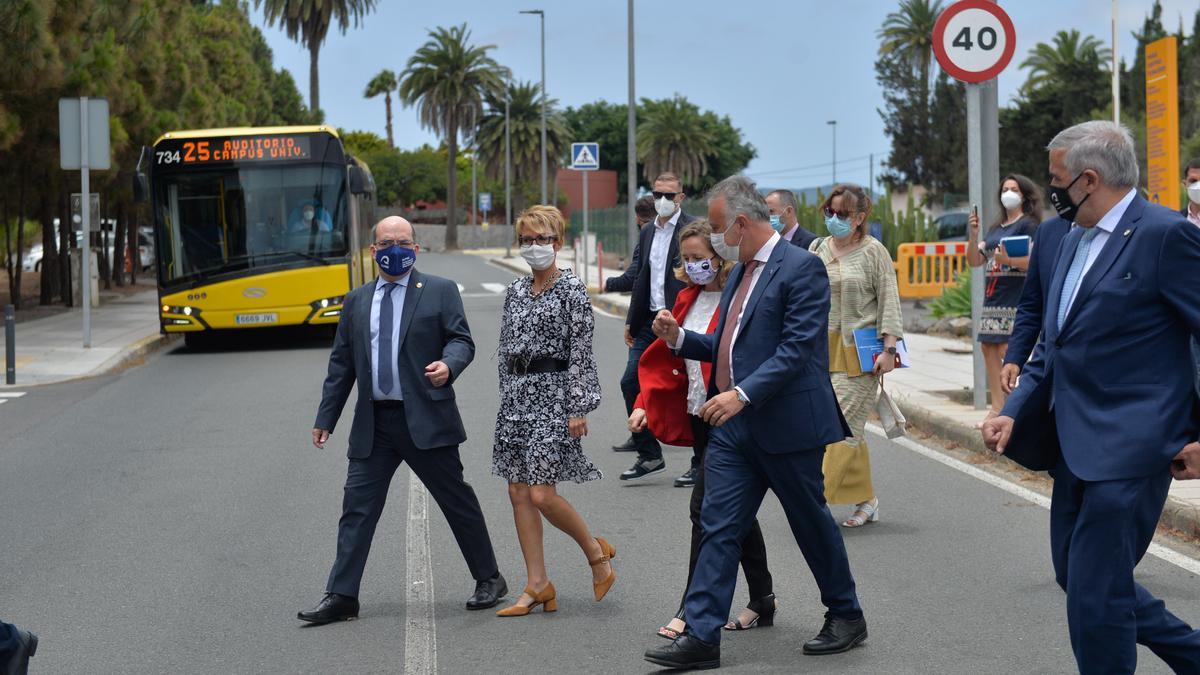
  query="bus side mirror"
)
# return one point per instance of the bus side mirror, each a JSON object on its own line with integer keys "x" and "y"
{"x": 358, "y": 180}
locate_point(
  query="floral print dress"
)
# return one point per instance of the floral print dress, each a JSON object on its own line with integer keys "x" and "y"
{"x": 532, "y": 444}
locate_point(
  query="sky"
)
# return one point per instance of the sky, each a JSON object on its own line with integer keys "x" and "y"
{"x": 780, "y": 70}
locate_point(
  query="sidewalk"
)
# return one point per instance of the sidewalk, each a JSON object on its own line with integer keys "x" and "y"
{"x": 51, "y": 350}
{"x": 934, "y": 394}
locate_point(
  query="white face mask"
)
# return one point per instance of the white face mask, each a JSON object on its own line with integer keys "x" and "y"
{"x": 1194, "y": 192}
{"x": 665, "y": 207}
{"x": 721, "y": 248}
{"x": 1010, "y": 199}
{"x": 539, "y": 256}
{"x": 308, "y": 214}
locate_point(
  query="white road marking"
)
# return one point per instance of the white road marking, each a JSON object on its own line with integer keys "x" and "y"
{"x": 420, "y": 628}
{"x": 1157, "y": 550}
{"x": 494, "y": 287}
{"x": 11, "y": 394}
{"x": 604, "y": 313}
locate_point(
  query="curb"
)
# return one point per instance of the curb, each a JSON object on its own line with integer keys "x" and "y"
{"x": 1177, "y": 515}
{"x": 142, "y": 348}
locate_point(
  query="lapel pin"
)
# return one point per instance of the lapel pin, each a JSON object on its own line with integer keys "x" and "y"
{"x": 1129, "y": 275}
{"x": 1128, "y": 232}
{"x": 419, "y": 284}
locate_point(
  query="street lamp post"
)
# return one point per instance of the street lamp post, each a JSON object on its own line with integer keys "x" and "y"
{"x": 508, "y": 169}
{"x": 542, "y": 17}
{"x": 631, "y": 147}
{"x": 833, "y": 123}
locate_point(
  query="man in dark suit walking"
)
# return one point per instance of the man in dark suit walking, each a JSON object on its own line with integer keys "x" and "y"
{"x": 654, "y": 287}
{"x": 403, "y": 339}
{"x": 773, "y": 410}
{"x": 1028, "y": 324}
{"x": 1107, "y": 404}
{"x": 782, "y": 204}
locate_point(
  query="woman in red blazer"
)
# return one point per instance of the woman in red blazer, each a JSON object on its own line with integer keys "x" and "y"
{"x": 672, "y": 391}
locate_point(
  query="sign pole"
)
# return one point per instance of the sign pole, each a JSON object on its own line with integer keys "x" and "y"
{"x": 85, "y": 188}
{"x": 983, "y": 162}
{"x": 586, "y": 269}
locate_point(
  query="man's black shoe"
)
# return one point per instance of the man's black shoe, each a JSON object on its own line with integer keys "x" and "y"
{"x": 630, "y": 445}
{"x": 688, "y": 479}
{"x": 686, "y": 652}
{"x": 17, "y": 662}
{"x": 838, "y": 635}
{"x": 643, "y": 468}
{"x": 332, "y": 607}
{"x": 488, "y": 592}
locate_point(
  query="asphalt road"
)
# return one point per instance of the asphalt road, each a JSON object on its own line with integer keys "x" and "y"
{"x": 175, "y": 517}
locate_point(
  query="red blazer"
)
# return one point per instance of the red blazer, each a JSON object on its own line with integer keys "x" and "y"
{"x": 663, "y": 379}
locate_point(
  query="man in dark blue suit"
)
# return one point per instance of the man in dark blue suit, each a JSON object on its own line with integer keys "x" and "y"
{"x": 403, "y": 339}
{"x": 773, "y": 411}
{"x": 1107, "y": 404}
{"x": 1028, "y": 325}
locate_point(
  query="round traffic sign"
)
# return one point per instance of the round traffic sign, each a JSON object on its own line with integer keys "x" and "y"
{"x": 974, "y": 40}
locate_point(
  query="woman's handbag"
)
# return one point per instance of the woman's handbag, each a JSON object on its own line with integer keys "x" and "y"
{"x": 890, "y": 417}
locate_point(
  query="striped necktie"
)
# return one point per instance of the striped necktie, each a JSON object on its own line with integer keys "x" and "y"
{"x": 1075, "y": 273}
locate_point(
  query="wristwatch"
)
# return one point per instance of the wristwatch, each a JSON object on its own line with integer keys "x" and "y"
{"x": 742, "y": 397}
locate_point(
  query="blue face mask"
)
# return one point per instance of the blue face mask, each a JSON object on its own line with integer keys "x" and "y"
{"x": 396, "y": 260}
{"x": 776, "y": 223}
{"x": 838, "y": 227}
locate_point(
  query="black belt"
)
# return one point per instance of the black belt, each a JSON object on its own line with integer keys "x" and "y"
{"x": 388, "y": 403}
{"x": 520, "y": 365}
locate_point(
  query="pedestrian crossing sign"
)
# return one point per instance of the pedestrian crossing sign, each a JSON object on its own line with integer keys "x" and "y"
{"x": 585, "y": 156}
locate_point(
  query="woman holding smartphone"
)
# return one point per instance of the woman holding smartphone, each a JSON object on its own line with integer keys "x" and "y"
{"x": 1004, "y": 275}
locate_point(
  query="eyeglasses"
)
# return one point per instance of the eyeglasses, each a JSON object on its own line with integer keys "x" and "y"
{"x": 540, "y": 240}
{"x": 668, "y": 195}
{"x": 388, "y": 243}
{"x": 843, "y": 214}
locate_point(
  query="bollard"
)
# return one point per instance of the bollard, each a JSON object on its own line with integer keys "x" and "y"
{"x": 10, "y": 344}
{"x": 600, "y": 263}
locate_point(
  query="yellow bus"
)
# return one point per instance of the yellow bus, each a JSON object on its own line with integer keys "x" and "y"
{"x": 256, "y": 227}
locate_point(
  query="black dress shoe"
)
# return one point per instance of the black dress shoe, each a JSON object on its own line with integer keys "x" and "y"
{"x": 17, "y": 662}
{"x": 332, "y": 607}
{"x": 686, "y": 652}
{"x": 488, "y": 592}
{"x": 629, "y": 445}
{"x": 688, "y": 479}
{"x": 838, "y": 635}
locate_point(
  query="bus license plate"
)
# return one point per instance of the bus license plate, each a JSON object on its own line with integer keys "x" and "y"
{"x": 253, "y": 319}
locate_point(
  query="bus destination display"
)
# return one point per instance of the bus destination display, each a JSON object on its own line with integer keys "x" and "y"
{"x": 233, "y": 149}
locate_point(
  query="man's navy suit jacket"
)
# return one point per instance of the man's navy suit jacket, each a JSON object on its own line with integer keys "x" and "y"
{"x": 433, "y": 327}
{"x": 1119, "y": 373}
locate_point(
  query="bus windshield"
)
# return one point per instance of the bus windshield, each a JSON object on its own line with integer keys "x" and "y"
{"x": 230, "y": 222}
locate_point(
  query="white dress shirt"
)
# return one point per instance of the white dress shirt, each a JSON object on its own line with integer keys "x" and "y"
{"x": 1193, "y": 214}
{"x": 397, "y": 299}
{"x": 791, "y": 231}
{"x": 1104, "y": 228}
{"x": 660, "y": 248}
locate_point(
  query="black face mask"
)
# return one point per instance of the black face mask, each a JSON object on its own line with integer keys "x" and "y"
{"x": 1060, "y": 197}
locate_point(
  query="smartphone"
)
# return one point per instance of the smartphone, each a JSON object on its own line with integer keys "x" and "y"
{"x": 975, "y": 211}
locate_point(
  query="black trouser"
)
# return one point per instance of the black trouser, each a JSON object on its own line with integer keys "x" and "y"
{"x": 754, "y": 549}
{"x": 367, "y": 481}
{"x": 10, "y": 639}
{"x": 647, "y": 446}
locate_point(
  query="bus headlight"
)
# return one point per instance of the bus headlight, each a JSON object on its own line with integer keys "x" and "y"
{"x": 325, "y": 303}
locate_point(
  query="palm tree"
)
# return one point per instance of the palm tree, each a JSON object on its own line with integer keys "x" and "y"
{"x": 1053, "y": 63}
{"x": 384, "y": 83}
{"x": 447, "y": 79}
{"x": 907, "y": 34}
{"x": 525, "y": 120}
{"x": 308, "y": 21}
{"x": 672, "y": 136}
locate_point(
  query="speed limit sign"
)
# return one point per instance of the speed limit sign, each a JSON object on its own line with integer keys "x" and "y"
{"x": 974, "y": 40}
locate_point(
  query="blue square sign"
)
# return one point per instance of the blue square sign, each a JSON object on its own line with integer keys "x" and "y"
{"x": 585, "y": 156}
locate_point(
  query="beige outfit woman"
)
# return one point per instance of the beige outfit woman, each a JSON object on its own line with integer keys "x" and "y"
{"x": 863, "y": 294}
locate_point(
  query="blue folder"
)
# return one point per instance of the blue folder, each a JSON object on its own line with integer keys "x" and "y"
{"x": 1016, "y": 247}
{"x": 868, "y": 344}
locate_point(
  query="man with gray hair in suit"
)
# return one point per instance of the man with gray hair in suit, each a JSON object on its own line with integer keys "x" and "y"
{"x": 403, "y": 338}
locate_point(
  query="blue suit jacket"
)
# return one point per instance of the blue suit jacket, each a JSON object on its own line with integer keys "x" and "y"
{"x": 1119, "y": 372}
{"x": 1028, "y": 325}
{"x": 781, "y": 355}
{"x": 433, "y": 327}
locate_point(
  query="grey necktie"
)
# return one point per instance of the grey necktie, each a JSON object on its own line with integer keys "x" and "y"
{"x": 1074, "y": 273}
{"x": 384, "y": 358}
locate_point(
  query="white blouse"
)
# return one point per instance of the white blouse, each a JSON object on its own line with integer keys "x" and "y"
{"x": 699, "y": 315}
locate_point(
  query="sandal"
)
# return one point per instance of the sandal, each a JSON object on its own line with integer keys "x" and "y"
{"x": 764, "y": 607}
{"x": 866, "y": 512}
{"x": 670, "y": 633}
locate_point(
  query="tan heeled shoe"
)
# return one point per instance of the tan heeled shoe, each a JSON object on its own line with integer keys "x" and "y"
{"x": 607, "y": 553}
{"x": 548, "y": 599}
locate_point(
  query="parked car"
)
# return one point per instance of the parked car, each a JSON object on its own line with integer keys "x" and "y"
{"x": 145, "y": 249}
{"x": 952, "y": 226}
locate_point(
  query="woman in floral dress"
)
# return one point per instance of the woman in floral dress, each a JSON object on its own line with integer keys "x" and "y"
{"x": 548, "y": 385}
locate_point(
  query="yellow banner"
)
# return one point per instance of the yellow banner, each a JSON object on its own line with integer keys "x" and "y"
{"x": 1162, "y": 123}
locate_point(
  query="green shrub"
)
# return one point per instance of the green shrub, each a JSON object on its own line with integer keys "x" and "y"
{"x": 955, "y": 300}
